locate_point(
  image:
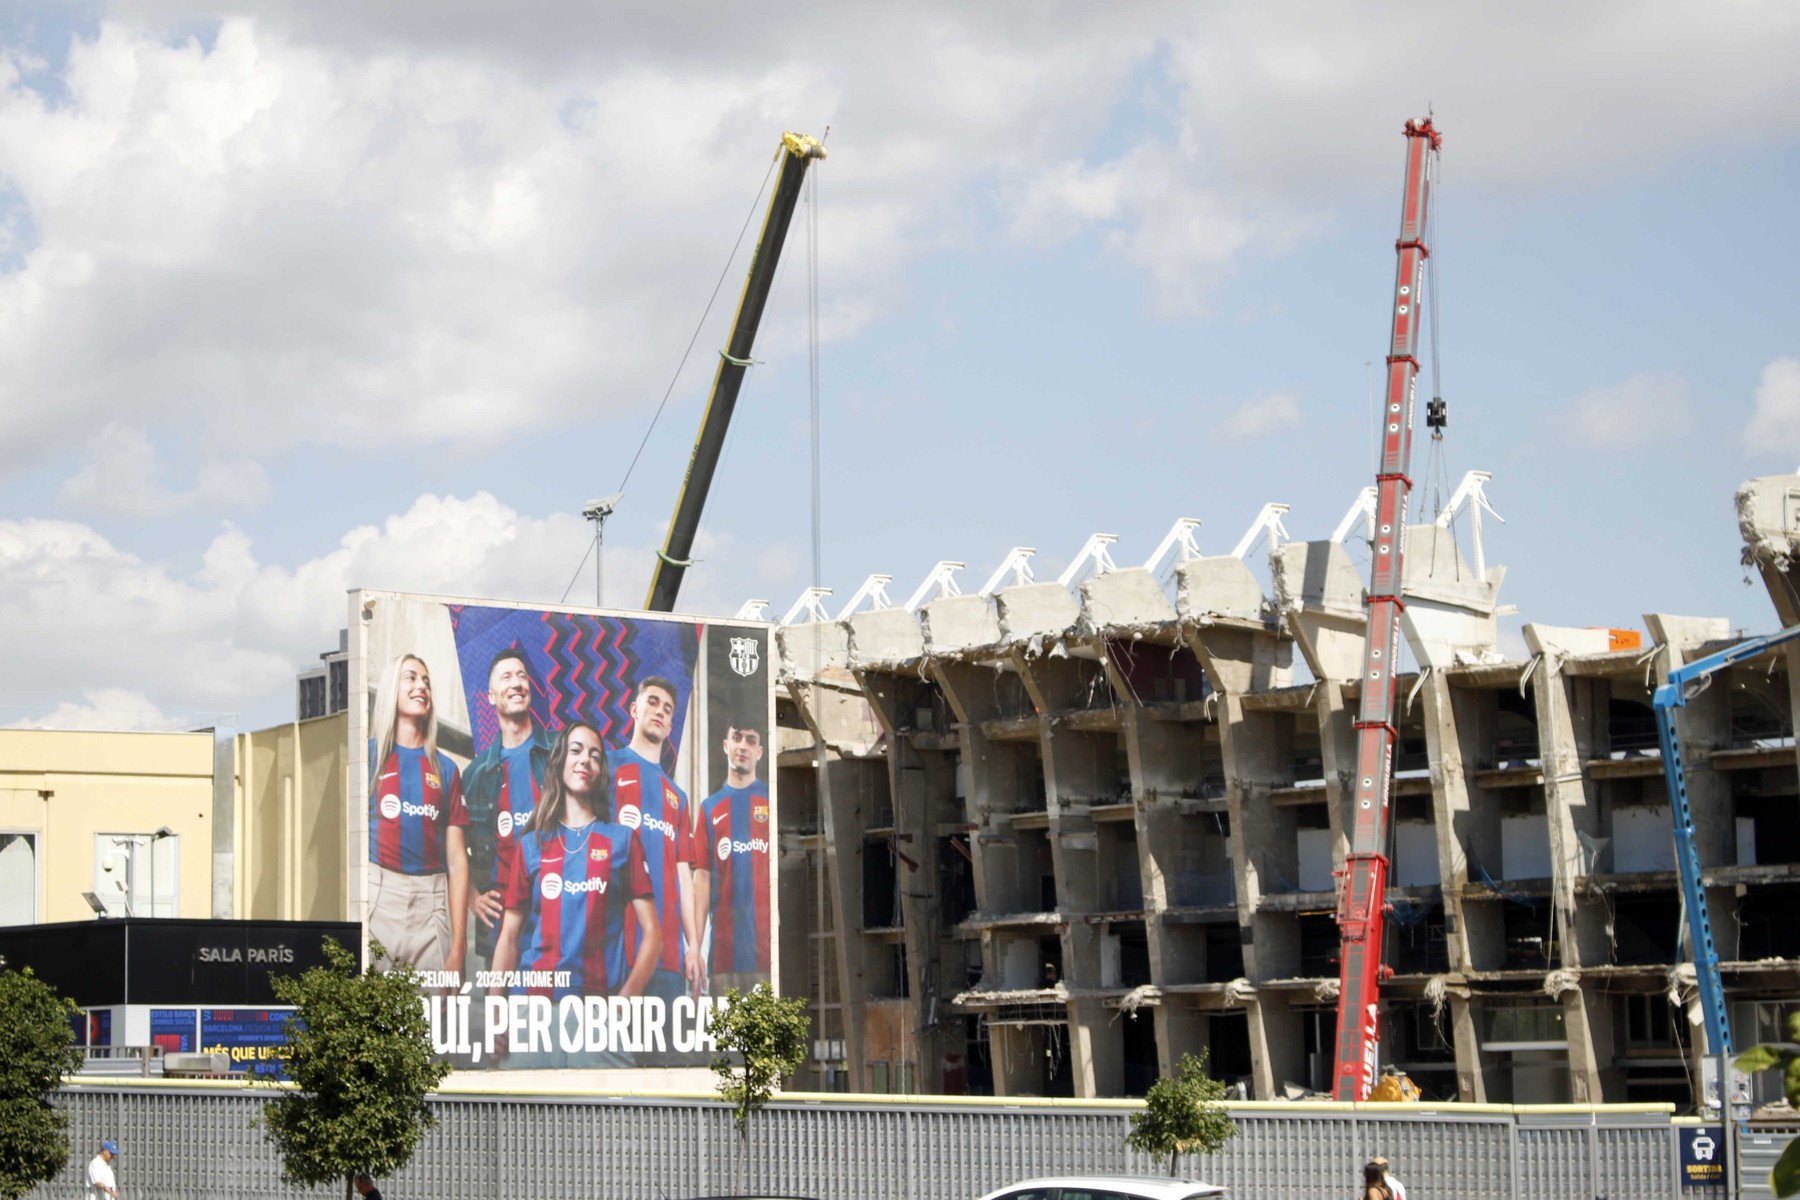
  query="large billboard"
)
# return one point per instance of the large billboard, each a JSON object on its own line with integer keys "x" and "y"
{"x": 567, "y": 820}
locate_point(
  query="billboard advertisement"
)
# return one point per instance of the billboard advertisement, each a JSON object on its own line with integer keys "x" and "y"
{"x": 568, "y": 823}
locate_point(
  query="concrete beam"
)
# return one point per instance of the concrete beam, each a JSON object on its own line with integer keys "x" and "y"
{"x": 1449, "y": 618}
{"x": 885, "y": 637}
{"x": 1219, "y": 586}
{"x": 1320, "y": 592}
{"x": 959, "y": 624}
{"x": 1123, "y": 602}
{"x": 1036, "y": 612}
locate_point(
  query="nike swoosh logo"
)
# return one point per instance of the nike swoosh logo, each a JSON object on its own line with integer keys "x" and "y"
{"x": 390, "y": 775}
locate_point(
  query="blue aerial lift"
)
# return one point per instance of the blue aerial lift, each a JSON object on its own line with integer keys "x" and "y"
{"x": 1683, "y": 684}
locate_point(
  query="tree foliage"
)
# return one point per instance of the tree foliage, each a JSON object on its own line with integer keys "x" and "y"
{"x": 37, "y": 1048}
{"x": 359, "y": 1054}
{"x": 1784, "y": 1179}
{"x": 1182, "y": 1115}
{"x": 761, "y": 1040}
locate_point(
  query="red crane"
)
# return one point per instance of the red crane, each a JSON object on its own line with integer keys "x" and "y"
{"x": 1362, "y": 904}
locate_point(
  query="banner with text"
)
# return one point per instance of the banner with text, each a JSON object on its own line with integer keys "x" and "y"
{"x": 570, "y": 824}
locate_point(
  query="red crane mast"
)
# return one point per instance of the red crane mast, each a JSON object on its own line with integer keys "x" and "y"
{"x": 1362, "y": 903}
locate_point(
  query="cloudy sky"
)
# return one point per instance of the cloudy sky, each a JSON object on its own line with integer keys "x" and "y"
{"x": 308, "y": 295}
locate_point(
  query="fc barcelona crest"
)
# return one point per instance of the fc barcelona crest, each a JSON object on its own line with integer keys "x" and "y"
{"x": 759, "y": 812}
{"x": 744, "y": 656}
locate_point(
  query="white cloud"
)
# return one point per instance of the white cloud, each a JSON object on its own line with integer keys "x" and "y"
{"x": 1261, "y": 417}
{"x": 1774, "y": 427}
{"x": 110, "y": 709}
{"x": 304, "y": 233}
{"x": 1649, "y": 407}
{"x": 341, "y": 223}
{"x": 94, "y": 632}
{"x": 123, "y": 472}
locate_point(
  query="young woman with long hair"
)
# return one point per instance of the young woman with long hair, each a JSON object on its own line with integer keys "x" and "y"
{"x": 418, "y": 861}
{"x": 574, "y": 876}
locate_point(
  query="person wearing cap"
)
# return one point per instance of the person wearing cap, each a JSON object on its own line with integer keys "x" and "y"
{"x": 1387, "y": 1176}
{"x": 100, "y": 1182}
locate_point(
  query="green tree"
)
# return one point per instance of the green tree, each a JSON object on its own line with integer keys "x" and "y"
{"x": 37, "y": 1048}
{"x": 761, "y": 1040}
{"x": 359, "y": 1054}
{"x": 1182, "y": 1115}
{"x": 1784, "y": 1179}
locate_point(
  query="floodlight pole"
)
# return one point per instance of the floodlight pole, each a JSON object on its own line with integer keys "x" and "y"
{"x": 597, "y": 511}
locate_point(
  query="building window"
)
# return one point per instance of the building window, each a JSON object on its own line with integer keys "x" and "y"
{"x": 138, "y": 874}
{"x": 18, "y": 878}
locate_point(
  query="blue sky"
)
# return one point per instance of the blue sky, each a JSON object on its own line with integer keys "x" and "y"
{"x": 335, "y": 295}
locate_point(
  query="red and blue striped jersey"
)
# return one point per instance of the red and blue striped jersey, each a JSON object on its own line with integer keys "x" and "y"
{"x": 411, "y": 806}
{"x": 520, "y": 789}
{"x": 575, "y": 888}
{"x": 736, "y": 820}
{"x": 647, "y": 800}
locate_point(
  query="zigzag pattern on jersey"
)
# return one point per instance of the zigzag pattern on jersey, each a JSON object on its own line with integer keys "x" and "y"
{"x": 591, "y": 666}
{"x": 483, "y": 632}
{"x": 582, "y": 667}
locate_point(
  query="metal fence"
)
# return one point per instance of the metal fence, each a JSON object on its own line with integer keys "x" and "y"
{"x": 193, "y": 1141}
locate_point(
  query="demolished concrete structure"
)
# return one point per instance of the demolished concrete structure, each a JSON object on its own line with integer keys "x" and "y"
{"x": 1048, "y": 837}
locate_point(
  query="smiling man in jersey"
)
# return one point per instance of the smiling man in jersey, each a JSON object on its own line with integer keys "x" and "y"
{"x": 501, "y": 788}
{"x": 568, "y": 889}
{"x": 647, "y": 800}
{"x": 419, "y": 872}
{"x": 731, "y": 876}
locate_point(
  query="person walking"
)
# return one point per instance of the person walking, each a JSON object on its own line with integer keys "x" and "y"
{"x": 1387, "y": 1177}
{"x": 1375, "y": 1184}
{"x": 100, "y": 1182}
{"x": 365, "y": 1187}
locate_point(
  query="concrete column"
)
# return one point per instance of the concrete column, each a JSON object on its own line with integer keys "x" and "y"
{"x": 1258, "y": 754}
{"x": 1450, "y": 804}
{"x": 1180, "y": 1029}
{"x": 1277, "y": 1043}
{"x": 829, "y": 710}
{"x": 1588, "y": 1018}
{"x": 1704, "y": 725}
{"x": 1096, "y": 1049}
{"x": 1571, "y": 711}
{"x": 1476, "y": 1070}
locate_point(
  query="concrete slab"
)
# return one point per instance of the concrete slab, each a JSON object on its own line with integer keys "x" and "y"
{"x": 807, "y": 649}
{"x": 1564, "y": 642}
{"x": 1319, "y": 590}
{"x": 1219, "y": 586}
{"x": 1124, "y": 600}
{"x": 957, "y": 623}
{"x": 1449, "y": 619}
{"x": 885, "y": 636}
{"x": 1769, "y": 519}
{"x": 1036, "y": 610}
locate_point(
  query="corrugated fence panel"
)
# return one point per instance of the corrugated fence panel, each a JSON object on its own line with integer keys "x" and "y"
{"x": 1760, "y": 1148}
{"x": 202, "y": 1144}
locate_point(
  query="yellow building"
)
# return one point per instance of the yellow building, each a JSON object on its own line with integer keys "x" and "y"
{"x": 204, "y": 824}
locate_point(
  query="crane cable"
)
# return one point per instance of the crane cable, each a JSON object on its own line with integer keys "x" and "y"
{"x": 724, "y": 272}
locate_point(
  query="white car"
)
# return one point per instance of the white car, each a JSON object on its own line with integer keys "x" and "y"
{"x": 1108, "y": 1187}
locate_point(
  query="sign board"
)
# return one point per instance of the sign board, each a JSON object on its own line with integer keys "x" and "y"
{"x": 172, "y": 1029}
{"x": 251, "y": 1037}
{"x": 1702, "y": 1156}
{"x": 566, "y": 823}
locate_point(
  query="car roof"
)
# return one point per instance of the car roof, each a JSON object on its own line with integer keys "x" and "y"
{"x": 1156, "y": 1187}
